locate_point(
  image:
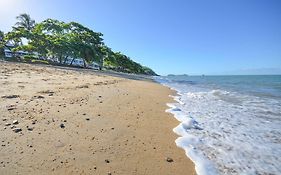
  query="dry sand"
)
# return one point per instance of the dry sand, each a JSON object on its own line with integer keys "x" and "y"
{"x": 77, "y": 122}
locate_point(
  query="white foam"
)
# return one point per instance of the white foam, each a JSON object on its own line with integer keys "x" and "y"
{"x": 227, "y": 133}
{"x": 188, "y": 142}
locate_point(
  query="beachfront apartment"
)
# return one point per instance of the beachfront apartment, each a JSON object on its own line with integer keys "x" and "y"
{"x": 9, "y": 54}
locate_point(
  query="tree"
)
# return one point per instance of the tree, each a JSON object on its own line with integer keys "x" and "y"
{"x": 21, "y": 30}
{"x": 85, "y": 43}
{"x": 2, "y": 43}
{"x": 25, "y": 21}
{"x": 108, "y": 58}
{"x": 60, "y": 40}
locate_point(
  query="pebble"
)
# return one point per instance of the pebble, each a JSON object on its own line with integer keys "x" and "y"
{"x": 15, "y": 122}
{"x": 107, "y": 161}
{"x": 62, "y": 125}
{"x": 7, "y": 124}
{"x": 87, "y": 119}
{"x": 168, "y": 159}
{"x": 29, "y": 129}
{"x": 16, "y": 130}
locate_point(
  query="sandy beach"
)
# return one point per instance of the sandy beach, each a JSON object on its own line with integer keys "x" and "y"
{"x": 60, "y": 121}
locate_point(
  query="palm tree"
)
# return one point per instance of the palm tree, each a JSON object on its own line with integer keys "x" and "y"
{"x": 25, "y": 22}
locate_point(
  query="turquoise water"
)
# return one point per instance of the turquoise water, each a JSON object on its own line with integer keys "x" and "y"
{"x": 229, "y": 124}
{"x": 258, "y": 85}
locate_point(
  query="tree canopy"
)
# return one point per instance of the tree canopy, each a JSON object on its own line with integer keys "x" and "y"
{"x": 57, "y": 40}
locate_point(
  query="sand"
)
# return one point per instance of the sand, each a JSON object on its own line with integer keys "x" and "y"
{"x": 81, "y": 122}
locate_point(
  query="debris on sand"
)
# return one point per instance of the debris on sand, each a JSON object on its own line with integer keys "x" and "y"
{"x": 10, "y": 96}
{"x": 62, "y": 125}
{"x": 11, "y": 107}
{"x": 82, "y": 86}
{"x": 168, "y": 159}
{"x": 16, "y": 130}
{"x": 15, "y": 122}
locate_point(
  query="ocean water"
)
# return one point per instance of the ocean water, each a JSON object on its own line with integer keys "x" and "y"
{"x": 228, "y": 124}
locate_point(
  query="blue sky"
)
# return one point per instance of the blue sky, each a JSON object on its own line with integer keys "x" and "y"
{"x": 174, "y": 36}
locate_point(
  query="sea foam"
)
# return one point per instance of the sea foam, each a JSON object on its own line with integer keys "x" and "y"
{"x": 226, "y": 132}
{"x": 188, "y": 142}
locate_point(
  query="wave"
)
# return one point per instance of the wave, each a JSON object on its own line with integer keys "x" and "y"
{"x": 225, "y": 132}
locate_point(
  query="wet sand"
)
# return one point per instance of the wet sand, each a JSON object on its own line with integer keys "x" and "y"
{"x": 82, "y": 122}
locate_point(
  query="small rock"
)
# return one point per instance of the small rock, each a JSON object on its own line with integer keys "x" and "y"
{"x": 12, "y": 127}
{"x": 4, "y": 119}
{"x": 87, "y": 119}
{"x": 107, "y": 161}
{"x": 109, "y": 173}
{"x": 38, "y": 96}
{"x": 65, "y": 121}
{"x": 7, "y": 124}
{"x": 62, "y": 125}
{"x": 29, "y": 129}
{"x": 15, "y": 122}
{"x": 168, "y": 159}
{"x": 33, "y": 122}
{"x": 16, "y": 130}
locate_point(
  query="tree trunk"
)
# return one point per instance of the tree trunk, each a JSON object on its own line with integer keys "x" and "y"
{"x": 101, "y": 64}
{"x": 65, "y": 59}
{"x": 84, "y": 63}
{"x": 60, "y": 59}
{"x": 72, "y": 61}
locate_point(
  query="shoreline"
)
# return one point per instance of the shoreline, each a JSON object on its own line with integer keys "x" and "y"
{"x": 77, "y": 122}
{"x": 210, "y": 125}
{"x": 185, "y": 140}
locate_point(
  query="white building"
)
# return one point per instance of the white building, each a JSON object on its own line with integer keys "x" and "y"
{"x": 10, "y": 54}
{"x": 80, "y": 62}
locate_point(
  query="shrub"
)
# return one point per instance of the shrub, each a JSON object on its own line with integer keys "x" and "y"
{"x": 39, "y": 61}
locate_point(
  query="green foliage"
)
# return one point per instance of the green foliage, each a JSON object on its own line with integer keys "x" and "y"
{"x": 119, "y": 62}
{"x": 24, "y": 21}
{"x": 59, "y": 40}
{"x": 29, "y": 58}
{"x": 40, "y": 61}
